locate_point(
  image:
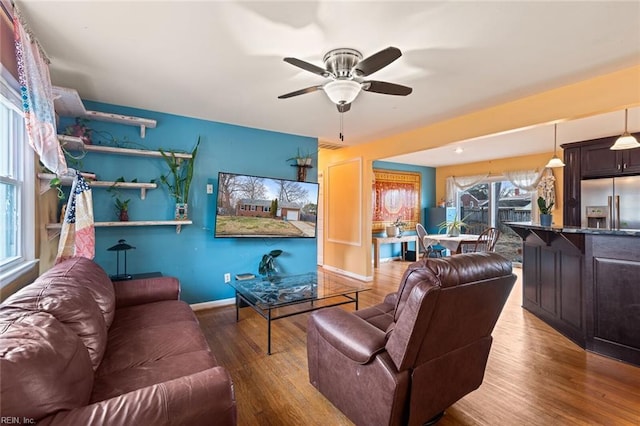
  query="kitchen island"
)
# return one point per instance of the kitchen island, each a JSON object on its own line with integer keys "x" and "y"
{"x": 585, "y": 283}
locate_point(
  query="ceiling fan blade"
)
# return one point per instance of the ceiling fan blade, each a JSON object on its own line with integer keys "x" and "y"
{"x": 300, "y": 92}
{"x": 343, "y": 107}
{"x": 386, "y": 88}
{"x": 377, "y": 61}
{"x": 307, "y": 66}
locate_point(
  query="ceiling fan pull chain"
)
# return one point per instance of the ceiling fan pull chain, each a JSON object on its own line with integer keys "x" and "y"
{"x": 341, "y": 127}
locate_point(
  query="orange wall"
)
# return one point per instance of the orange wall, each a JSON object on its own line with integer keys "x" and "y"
{"x": 605, "y": 93}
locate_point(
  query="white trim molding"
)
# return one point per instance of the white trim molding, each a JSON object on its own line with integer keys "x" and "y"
{"x": 212, "y": 304}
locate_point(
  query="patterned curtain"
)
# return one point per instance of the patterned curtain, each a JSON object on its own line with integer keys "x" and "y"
{"x": 37, "y": 99}
{"x": 77, "y": 237}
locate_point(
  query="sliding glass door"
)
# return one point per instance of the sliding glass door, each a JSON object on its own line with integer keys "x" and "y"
{"x": 491, "y": 203}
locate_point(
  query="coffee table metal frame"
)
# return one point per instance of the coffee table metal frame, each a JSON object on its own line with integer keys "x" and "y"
{"x": 347, "y": 294}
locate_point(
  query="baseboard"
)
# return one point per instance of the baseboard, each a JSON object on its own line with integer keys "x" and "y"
{"x": 389, "y": 259}
{"x": 212, "y": 304}
{"x": 347, "y": 273}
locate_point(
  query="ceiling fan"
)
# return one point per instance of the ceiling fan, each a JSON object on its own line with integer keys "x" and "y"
{"x": 346, "y": 70}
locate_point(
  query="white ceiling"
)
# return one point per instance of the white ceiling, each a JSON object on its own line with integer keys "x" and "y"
{"x": 222, "y": 61}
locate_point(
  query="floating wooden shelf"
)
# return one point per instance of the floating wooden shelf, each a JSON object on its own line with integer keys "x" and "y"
{"x": 68, "y": 103}
{"x": 73, "y": 143}
{"x": 53, "y": 229}
{"x": 45, "y": 178}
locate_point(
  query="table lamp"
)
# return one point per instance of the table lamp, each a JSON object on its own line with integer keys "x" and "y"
{"x": 121, "y": 246}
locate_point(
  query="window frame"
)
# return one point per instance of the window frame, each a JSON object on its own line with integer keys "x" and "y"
{"x": 24, "y": 180}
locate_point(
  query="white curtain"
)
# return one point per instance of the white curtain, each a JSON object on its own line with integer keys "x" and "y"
{"x": 524, "y": 179}
{"x": 540, "y": 183}
{"x": 528, "y": 180}
{"x": 461, "y": 182}
{"x": 37, "y": 99}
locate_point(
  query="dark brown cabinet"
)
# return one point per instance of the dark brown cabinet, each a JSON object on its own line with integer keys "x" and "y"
{"x": 571, "y": 184}
{"x": 593, "y": 159}
{"x": 600, "y": 161}
{"x": 552, "y": 283}
{"x": 614, "y": 297}
{"x": 584, "y": 283}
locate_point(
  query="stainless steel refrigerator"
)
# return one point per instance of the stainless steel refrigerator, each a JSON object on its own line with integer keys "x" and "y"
{"x": 620, "y": 196}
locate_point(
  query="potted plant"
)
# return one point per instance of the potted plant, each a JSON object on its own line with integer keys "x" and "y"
{"x": 453, "y": 227}
{"x": 301, "y": 159}
{"x": 396, "y": 228}
{"x": 267, "y": 265}
{"x": 80, "y": 129}
{"x": 122, "y": 209}
{"x": 546, "y": 217}
{"x": 178, "y": 179}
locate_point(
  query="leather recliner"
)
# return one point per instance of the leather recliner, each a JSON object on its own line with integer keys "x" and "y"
{"x": 423, "y": 348}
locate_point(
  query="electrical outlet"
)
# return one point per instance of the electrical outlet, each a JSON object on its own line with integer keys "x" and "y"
{"x": 227, "y": 277}
{"x": 209, "y": 188}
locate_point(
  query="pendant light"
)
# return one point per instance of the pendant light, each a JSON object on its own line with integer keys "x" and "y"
{"x": 626, "y": 140}
{"x": 555, "y": 161}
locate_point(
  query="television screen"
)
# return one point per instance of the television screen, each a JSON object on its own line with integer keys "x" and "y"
{"x": 253, "y": 206}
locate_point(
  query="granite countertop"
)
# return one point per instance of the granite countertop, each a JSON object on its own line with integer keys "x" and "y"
{"x": 576, "y": 229}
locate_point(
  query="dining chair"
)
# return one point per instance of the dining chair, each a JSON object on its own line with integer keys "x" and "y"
{"x": 429, "y": 247}
{"x": 487, "y": 240}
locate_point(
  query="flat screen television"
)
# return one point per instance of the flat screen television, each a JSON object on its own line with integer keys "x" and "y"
{"x": 263, "y": 207}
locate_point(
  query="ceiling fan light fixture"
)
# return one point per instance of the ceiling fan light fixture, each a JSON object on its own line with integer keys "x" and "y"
{"x": 626, "y": 140}
{"x": 342, "y": 91}
{"x": 555, "y": 160}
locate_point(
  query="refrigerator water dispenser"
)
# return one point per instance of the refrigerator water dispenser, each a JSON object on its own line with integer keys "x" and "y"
{"x": 597, "y": 217}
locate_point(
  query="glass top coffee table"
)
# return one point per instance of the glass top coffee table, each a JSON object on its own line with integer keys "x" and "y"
{"x": 284, "y": 296}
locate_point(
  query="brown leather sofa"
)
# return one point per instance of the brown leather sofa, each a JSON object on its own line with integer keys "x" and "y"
{"x": 423, "y": 348}
{"x": 77, "y": 349}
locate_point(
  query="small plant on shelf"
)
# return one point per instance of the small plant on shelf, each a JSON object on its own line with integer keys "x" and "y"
{"x": 301, "y": 159}
{"x": 121, "y": 206}
{"x": 178, "y": 179}
{"x": 122, "y": 209}
{"x": 80, "y": 130}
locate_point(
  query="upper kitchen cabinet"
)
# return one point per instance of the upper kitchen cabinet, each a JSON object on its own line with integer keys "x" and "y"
{"x": 600, "y": 161}
{"x": 593, "y": 159}
{"x": 572, "y": 179}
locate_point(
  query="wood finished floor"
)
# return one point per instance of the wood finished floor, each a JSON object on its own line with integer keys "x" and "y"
{"x": 534, "y": 375}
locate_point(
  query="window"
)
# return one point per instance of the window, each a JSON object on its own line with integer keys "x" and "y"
{"x": 16, "y": 183}
{"x": 489, "y": 204}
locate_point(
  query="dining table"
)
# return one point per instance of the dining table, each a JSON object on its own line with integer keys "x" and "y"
{"x": 454, "y": 243}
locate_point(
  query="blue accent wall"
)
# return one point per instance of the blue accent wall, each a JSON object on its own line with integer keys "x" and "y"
{"x": 194, "y": 256}
{"x": 427, "y": 198}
